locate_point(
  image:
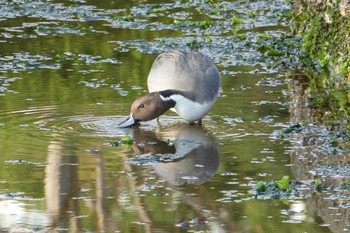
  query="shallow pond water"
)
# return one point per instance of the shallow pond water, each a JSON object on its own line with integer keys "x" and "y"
{"x": 69, "y": 71}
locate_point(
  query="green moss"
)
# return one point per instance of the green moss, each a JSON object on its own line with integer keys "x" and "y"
{"x": 194, "y": 44}
{"x": 251, "y": 14}
{"x": 125, "y": 141}
{"x": 283, "y": 184}
{"x": 128, "y": 18}
{"x": 205, "y": 24}
{"x": 235, "y": 20}
{"x": 325, "y": 42}
{"x": 325, "y": 35}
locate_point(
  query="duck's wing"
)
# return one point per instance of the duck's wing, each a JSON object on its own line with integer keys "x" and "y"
{"x": 188, "y": 71}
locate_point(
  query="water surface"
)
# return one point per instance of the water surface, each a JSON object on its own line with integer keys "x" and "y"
{"x": 69, "y": 73}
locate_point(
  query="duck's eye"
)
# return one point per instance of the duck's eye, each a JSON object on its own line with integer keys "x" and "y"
{"x": 141, "y": 106}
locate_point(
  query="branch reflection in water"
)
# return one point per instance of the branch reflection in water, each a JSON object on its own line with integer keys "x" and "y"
{"x": 63, "y": 191}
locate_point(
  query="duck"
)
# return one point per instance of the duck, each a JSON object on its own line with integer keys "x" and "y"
{"x": 186, "y": 82}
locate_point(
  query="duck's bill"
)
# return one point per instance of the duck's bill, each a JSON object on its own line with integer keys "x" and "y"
{"x": 128, "y": 122}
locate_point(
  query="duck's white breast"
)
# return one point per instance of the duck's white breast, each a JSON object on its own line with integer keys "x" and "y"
{"x": 190, "y": 110}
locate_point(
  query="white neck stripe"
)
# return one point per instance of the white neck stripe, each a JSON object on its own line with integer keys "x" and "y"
{"x": 187, "y": 108}
{"x": 165, "y": 98}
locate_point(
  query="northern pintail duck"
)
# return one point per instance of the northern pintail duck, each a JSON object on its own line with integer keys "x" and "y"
{"x": 184, "y": 81}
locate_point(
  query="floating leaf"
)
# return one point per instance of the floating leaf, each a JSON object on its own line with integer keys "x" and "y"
{"x": 283, "y": 184}
{"x": 235, "y": 20}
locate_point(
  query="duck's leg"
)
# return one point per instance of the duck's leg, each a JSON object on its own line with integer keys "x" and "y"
{"x": 199, "y": 122}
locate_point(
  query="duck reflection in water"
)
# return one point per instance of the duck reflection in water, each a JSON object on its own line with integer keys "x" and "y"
{"x": 180, "y": 154}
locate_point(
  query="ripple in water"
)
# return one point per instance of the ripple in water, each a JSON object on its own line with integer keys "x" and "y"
{"x": 100, "y": 126}
{"x": 86, "y": 125}
{"x": 49, "y": 119}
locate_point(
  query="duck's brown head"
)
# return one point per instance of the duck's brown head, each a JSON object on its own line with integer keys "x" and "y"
{"x": 146, "y": 108}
